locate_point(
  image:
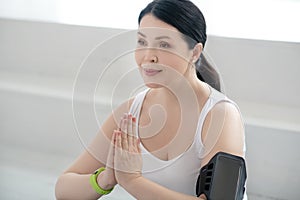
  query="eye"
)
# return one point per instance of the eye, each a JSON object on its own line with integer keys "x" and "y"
{"x": 141, "y": 42}
{"x": 163, "y": 44}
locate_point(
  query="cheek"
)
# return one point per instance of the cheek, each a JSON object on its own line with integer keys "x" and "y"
{"x": 138, "y": 55}
{"x": 176, "y": 62}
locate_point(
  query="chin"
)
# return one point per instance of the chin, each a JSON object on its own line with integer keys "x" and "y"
{"x": 153, "y": 85}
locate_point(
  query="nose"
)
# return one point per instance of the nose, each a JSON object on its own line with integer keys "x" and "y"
{"x": 154, "y": 59}
{"x": 150, "y": 56}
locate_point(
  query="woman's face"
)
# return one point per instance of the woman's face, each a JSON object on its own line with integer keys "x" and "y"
{"x": 162, "y": 54}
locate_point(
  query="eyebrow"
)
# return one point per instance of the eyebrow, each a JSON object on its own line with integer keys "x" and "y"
{"x": 162, "y": 37}
{"x": 143, "y": 35}
{"x": 157, "y": 38}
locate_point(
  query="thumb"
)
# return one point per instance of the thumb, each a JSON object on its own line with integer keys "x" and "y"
{"x": 110, "y": 156}
{"x": 202, "y": 196}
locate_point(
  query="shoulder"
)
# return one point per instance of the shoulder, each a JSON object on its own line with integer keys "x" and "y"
{"x": 223, "y": 130}
{"x": 227, "y": 110}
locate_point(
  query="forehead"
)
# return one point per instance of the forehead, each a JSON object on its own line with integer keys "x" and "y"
{"x": 152, "y": 26}
{"x": 151, "y": 21}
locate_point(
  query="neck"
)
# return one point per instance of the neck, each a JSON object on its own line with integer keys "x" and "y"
{"x": 189, "y": 92}
{"x": 186, "y": 98}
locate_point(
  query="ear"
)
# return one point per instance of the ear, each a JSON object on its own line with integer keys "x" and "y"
{"x": 197, "y": 51}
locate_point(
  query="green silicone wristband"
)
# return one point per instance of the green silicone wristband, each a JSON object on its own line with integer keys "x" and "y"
{"x": 94, "y": 184}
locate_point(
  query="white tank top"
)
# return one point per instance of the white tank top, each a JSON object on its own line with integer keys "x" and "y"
{"x": 179, "y": 174}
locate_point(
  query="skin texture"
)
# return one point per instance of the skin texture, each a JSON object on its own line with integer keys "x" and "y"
{"x": 167, "y": 123}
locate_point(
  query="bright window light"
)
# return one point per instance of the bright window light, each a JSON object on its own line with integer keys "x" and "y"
{"x": 253, "y": 19}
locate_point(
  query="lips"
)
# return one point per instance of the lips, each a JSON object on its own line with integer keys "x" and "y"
{"x": 151, "y": 69}
{"x": 151, "y": 72}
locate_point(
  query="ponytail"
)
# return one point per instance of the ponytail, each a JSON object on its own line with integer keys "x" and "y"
{"x": 206, "y": 73}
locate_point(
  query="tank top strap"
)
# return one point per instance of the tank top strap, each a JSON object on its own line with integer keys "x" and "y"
{"x": 136, "y": 105}
{"x": 214, "y": 98}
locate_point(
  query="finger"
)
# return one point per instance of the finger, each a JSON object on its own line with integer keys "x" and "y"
{"x": 136, "y": 145}
{"x": 110, "y": 156}
{"x": 202, "y": 196}
{"x": 117, "y": 151}
{"x": 129, "y": 124}
{"x": 124, "y": 141}
{"x": 134, "y": 127}
{"x": 113, "y": 137}
{"x": 124, "y": 124}
{"x": 118, "y": 139}
{"x": 121, "y": 124}
{"x": 130, "y": 142}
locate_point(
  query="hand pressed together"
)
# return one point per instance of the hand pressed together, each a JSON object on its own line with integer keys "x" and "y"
{"x": 125, "y": 155}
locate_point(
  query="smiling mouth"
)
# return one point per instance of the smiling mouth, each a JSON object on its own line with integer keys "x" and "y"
{"x": 151, "y": 72}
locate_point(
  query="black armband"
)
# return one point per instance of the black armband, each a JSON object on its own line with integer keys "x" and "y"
{"x": 223, "y": 177}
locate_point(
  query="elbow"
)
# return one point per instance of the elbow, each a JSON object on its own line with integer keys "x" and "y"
{"x": 59, "y": 188}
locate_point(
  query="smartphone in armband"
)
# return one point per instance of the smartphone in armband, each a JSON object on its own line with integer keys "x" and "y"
{"x": 223, "y": 177}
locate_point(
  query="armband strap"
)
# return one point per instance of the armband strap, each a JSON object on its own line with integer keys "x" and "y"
{"x": 94, "y": 184}
{"x": 224, "y": 177}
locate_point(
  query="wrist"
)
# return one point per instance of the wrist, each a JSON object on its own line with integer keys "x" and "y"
{"x": 95, "y": 185}
{"x": 128, "y": 179}
{"x": 105, "y": 181}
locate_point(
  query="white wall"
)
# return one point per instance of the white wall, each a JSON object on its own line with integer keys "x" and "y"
{"x": 221, "y": 16}
{"x": 38, "y": 66}
{"x": 262, "y": 76}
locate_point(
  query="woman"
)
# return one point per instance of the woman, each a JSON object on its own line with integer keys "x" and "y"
{"x": 170, "y": 130}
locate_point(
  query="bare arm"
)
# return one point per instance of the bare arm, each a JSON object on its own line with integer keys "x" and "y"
{"x": 144, "y": 189}
{"x": 223, "y": 130}
{"x": 74, "y": 182}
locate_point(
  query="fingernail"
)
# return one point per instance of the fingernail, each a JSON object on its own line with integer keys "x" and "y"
{"x": 115, "y": 132}
{"x": 134, "y": 119}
